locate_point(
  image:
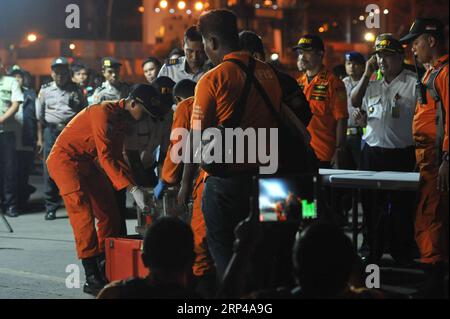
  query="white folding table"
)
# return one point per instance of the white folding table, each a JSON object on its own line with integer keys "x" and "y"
{"x": 353, "y": 179}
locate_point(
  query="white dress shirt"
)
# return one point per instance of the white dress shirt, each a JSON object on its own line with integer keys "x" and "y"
{"x": 390, "y": 110}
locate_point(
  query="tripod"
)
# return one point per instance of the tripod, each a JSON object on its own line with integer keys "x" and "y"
{"x": 8, "y": 226}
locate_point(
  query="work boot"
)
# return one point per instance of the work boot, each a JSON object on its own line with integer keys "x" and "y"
{"x": 101, "y": 265}
{"x": 12, "y": 212}
{"x": 94, "y": 280}
{"x": 50, "y": 215}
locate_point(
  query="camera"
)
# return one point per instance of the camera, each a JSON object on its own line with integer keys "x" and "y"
{"x": 292, "y": 199}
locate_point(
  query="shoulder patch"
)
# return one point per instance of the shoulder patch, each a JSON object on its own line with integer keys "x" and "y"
{"x": 173, "y": 61}
{"x": 46, "y": 85}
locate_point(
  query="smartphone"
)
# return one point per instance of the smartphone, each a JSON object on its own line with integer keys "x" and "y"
{"x": 288, "y": 198}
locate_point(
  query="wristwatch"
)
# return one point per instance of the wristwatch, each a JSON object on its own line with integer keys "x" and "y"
{"x": 445, "y": 157}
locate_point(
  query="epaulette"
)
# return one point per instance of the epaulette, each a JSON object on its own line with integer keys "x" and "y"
{"x": 173, "y": 61}
{"x": 99, "y": 89}
{"x": 47, "y": 85}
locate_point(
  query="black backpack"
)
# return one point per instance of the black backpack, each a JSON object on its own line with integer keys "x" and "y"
{"x": 295, "y": 153}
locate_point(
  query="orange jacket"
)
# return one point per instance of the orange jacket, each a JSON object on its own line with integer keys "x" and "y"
{"x": 171, "y": 172}
{"x": 217, "y": 94}
{"x": 93, "y": 137}
{"x": 424, "y": 124}
{"x": 328, "y": 101}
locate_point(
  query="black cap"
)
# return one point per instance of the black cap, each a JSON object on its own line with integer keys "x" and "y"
{"x": 109, "y": 62}
{"x": 421, "y": 26}
{"x": 386, "y": 42}
{"x": 15, "y": 69}
{"x": 165, "y": 85}
{"x": 355, "y": 57}
{"x": 60, "y": 61}
{"x": 309, "y": 42}
{"x": 149, "y": 97}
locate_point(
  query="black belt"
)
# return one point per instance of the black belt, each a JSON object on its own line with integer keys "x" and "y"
{"x": 353, "y": 131}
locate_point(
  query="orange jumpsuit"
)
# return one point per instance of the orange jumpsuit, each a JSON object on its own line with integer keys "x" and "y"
{"x": 171, "y": 174}
{"x": 328, "y": 101}
{"x": 431, "y": 226}
{"x": 86, "y": 154}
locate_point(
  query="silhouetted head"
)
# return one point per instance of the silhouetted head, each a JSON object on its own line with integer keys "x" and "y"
{"x": 168, "y": 246}
{"x": 323, "y": 259}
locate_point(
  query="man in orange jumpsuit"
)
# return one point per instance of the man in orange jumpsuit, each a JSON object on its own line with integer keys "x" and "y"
{"x": 88, "y": 153}
{"x": 225, "y": 197}
{"x": 430, "y": 131}
{"x": 171, "y": 175}
{"x": 327, "y": 98}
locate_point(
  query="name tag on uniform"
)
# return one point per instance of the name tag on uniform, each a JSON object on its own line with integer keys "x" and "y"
{"x": 395, "y": 108}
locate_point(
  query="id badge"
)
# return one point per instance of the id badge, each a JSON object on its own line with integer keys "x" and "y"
{"x": 395, "y": 108}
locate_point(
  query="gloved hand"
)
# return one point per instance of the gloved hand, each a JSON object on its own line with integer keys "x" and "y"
{"x": 159, "y": 189}
{"x": 141, "y": 197}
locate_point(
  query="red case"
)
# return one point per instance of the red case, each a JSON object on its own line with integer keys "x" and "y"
{"x": 123, "y": 258}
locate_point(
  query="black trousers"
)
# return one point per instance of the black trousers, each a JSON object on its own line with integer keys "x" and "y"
{"x": 393, "y": 220}
{"x": 25, "y": 162}
{"x": 51, "y": 192}
{"x": 8, "y": 170}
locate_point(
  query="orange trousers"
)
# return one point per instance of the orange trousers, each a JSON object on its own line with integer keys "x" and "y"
{"x": 94, "y": 200}
{"x": 203, "y": 262}
{"x": 431, "y": 226}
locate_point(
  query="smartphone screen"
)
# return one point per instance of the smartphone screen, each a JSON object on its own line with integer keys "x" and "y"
{"x": 287, "y": 199}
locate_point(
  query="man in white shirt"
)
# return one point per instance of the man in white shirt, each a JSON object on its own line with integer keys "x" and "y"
{"x": 193, "y": 65}
{"x": 11, "y": 97}
{"x": 387, "y": 106}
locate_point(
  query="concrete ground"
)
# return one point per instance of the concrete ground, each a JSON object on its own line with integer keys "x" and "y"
{"x": 34, "y": 258}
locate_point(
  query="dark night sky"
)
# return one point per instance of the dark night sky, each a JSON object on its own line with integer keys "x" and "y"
{"x": 47, "y": 17}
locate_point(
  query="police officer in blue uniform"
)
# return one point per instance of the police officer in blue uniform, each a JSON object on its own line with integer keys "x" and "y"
{"x": 193, "y": 65}
{"x": 113, "y": 88}
{"x": 57, "y": 103}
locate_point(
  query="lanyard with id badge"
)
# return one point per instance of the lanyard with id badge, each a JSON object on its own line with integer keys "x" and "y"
{"x": 395, "y": 107}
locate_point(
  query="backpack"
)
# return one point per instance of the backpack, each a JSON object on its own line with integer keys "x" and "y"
{"x": 295, "y": 153}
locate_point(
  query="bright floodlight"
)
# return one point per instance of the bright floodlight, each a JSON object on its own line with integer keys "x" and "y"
{"x": 198, "y": 6}
{"x": 369, "y": 37}
{"x": 163, "y": 4}
{"x": 32, "y": 37}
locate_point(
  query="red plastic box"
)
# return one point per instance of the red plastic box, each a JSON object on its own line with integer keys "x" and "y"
{"x": 123, "y": 258}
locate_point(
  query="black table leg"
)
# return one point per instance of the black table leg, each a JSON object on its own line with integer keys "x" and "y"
{"x": 355, "y": 218}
